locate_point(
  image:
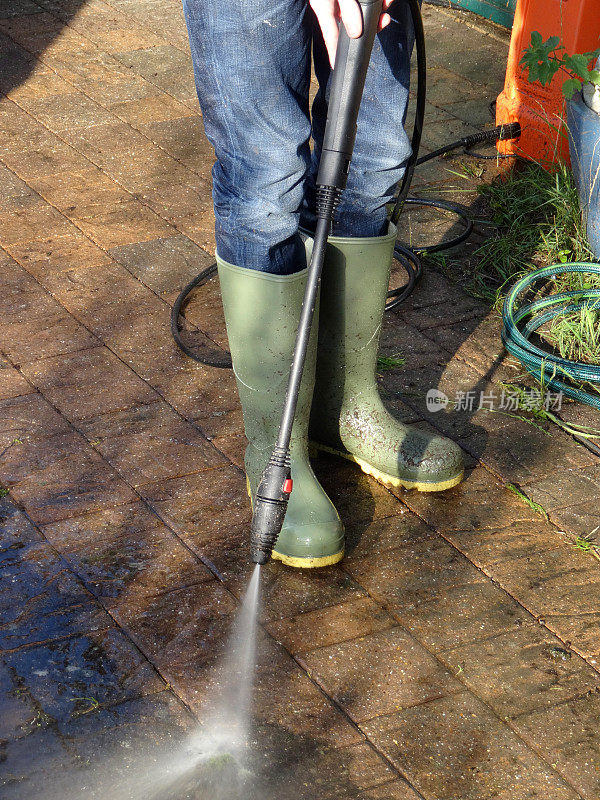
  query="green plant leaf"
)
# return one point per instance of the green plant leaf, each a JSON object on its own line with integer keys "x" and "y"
{"x": 578, "y": 64}
{"x": 536, "y": 39}
{"x": 570, "y": 86}
{"x": 594, "y": 76}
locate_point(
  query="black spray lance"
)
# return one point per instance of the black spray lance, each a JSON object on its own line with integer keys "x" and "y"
{"x": 347, "y": 84}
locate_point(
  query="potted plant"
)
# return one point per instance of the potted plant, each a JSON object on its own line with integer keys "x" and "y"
{"x": 543, "y": 60}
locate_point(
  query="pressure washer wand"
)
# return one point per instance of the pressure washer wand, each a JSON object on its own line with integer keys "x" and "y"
{"x": 347, "y": 84}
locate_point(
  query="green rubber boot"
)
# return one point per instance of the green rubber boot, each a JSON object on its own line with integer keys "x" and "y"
{"x": 348, "y": 417}
{"x": 262, "y": 313}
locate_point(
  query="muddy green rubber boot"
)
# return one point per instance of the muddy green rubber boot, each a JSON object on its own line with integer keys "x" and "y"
{"x": 348, "y": 417}
{"x": 262, "y": 313}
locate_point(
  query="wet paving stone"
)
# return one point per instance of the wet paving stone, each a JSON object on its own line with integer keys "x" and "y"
{"x": 463, "y": 614}
{"x": 41, "y": 598}
{"x": 491, "y": 546}
{"x": 567, "y": 736}
{"x": 150, "y": 565}
{"x": 329, "y": 774}
{"x": 286, "y": 697}
{"x": 233, "y": 448}
{"x": 28, "y": 454}
{"x": 379, "y": 674}
{"x": 29, "y": 417}
{"x": 575, "y": 487}
{"x": 209, "y": 503}
{"x": 552, "y": 582}
{"x": 126, "y": 554}
{"x": 581, "y": 519}
{"x": 395, "y": 790}
{"x": 31, "y": 764}
{"x": 183, "y": 632}
{"x": 414, "y": 574}
{"x": 150, "y": 443}
{"x": 580, "y": 630}
{"x": 66, "y": 487}
{"x": 479, "y": 502}
{"x": 12, "y": 383}
{"x": 455, "y": 747}
{"x": 105, "y": 753}
{"x": 70, "y": 677}
{"x": 356, "y": 496}
{"x": 365, "y": 538}
{"x": 88, "y": 383}
{"x": 332, "y": 625}
{"x": 16, "y": 709}
{"x": 519, "y": 671}
{"x": 284, "y": 591}
{"x": 16, "y": 530}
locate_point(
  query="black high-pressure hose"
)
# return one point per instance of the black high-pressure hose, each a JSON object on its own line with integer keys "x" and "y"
{"x": 347, "y": 84}
{"x": 407, "y": 256}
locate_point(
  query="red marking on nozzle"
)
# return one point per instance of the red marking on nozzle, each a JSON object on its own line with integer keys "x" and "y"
{"x": 287, "y": 485}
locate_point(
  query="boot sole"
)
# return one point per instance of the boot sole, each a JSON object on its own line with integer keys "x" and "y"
{"x": 308, "y": 563}
{"x": 296, "y": 561}
{"x": 390, "y": 480}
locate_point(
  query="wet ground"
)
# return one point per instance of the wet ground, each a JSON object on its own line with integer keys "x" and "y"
{"x": 452, "y": 654}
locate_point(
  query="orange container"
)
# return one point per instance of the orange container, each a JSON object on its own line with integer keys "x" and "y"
{"x": 540, "y": 109}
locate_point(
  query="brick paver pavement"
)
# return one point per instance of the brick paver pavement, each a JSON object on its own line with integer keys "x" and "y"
{"x": 453, "y": 653}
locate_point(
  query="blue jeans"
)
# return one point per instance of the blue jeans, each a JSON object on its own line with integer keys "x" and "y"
{"x": 252, "y": 62}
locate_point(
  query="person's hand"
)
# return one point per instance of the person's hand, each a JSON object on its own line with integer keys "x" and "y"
{"x": 329, "y": 12}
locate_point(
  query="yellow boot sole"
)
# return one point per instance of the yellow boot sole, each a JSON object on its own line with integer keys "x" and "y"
{"x": 390, "y": 480}
{"x": 295, "y": 561}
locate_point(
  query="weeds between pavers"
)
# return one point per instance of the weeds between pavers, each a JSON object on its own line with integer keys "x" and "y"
{"x": 536, "y": 221}
{"x": 537, "y": 507}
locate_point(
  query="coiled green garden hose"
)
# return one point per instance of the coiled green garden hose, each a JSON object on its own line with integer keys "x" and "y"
{"x": 547, "y": 367}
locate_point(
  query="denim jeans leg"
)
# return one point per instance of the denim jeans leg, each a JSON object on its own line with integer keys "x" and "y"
{"x": 382, "y": 147}
{"x": 252, "y": 69}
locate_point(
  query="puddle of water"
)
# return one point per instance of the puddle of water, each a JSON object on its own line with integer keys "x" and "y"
{"x": 213, "y": 764}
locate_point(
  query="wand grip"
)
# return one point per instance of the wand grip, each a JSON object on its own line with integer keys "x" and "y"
{"x": 347, "y": 84}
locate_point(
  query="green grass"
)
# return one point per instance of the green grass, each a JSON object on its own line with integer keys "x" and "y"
{"x": 576, "y": 336}
{"x": 539, "y": 509}
{"x": 536, "y": 221}
{"x": 390, "y": 362}
{"x": 587, "y": 545}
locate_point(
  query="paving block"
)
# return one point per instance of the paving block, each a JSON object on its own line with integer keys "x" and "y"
{"x": 463, "y": 614}
{"x": 125, "y": 554}
{"x": 210, "y": 503}
{"x": 553, "y": 582}
{"x": 164, "y": 265}
{"x": 521, "y": 670}
{"x": 70, "y": 677}
{"x": 379, "y": 674}
{"x": 455, "y": 747}
{"x": 87, "y": 383}
{"x": 63, "y": 487}
{"x": 567, "y": 736}
{"x": 12, "y": 383}
{"x": 150, "y": 443}
{"x": 330, "y": 625}
{"x": 410, "y": 575}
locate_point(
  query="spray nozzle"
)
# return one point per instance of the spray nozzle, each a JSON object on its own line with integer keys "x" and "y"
{"x": 270, "y": 505}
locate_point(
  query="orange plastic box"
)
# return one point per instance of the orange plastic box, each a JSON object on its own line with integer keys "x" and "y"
{"x": 540, "y": 109}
